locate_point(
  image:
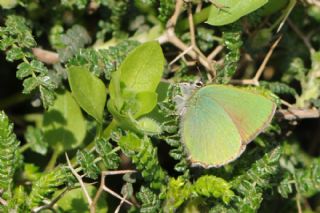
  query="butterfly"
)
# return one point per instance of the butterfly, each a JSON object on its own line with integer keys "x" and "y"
{"x": 218, "y": 121}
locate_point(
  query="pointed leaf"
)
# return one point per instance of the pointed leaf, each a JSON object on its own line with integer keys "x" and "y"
{"x": 88, "y": 90}
{"x": 143, "y": 67}
{"x": 63, "y": 124}
{"x": 229, "y": 11}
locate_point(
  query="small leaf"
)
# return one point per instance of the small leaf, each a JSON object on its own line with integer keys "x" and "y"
{"x": 88, "y": 90}
{"x": 35, "y": 137}
{"x": 146, "y": 102}
{"x": 47, "y": 96}
{"x": 63, "y": 124}
{"x": 149, "y": 126}
{"x": 24, "y": 70}
{"x": 143, "y": 67}
{"x": 86, "y": 161}
{"x": 14, "y": 53}
{"x": 30, "y": 84}
{"x": 229, "y": 11}
{"x": 110, "y": 159}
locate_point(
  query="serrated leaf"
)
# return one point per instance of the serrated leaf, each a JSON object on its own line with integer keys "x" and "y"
{"x": 24, "y": 70}
{"x": 14, "y": 53}
{"x": 88, "y": 90}
{"x": 110, "y": 159}
{"x": 63, "y": 124}
{"x": 30, "y": 84}
{"x": 47, "y": 96}
{"x": 35, "y": 137}
{"x": 143, "y": 67}
{"x": 228, "y": 11}
{"x": 86, "y": 161}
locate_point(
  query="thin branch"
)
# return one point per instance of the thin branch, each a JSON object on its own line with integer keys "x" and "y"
{"x": 191, "y": 26}
{"x": 120, "y": 204}
{"x": 103, "y": 187}
{"x": 173, "y": 20}
{"x": 2, "y": 201}
{"x": 266, "y": 59}
{"x": 215, "y": 52}
{"x": 255, "y": 79}
{"x": 180, "y": 55}
{"x": 116, "y": 195}
{"x": 83, "y": 187}
{"x": 51, "y": 204}
{"x": 301, "y": 36}
{"x": 297, "y": 114}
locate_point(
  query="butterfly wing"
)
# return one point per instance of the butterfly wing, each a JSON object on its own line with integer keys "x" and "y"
{"x": 250, "y": 112}
{"x": 220, "y": 121}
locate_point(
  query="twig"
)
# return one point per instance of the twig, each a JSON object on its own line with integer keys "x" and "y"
{"x": 266, "y": 59}
{"x": 2, "y": 201}
{"x": 45, "y": 56}
{"x": 215, "y": 52}
{"x": 103, "y": 187}
{"x": 173, "y": 20}
{"x": 191, "y": 26}
{"x": 120, "y": 204}
{"x": 297, "y": 114}
{"x": 51, "y": 204}
{"x": 180, "y": 55}
{"x": 83, "y": 187}
{"x": 255, "y": 79}
{"x": 301, "y": 36}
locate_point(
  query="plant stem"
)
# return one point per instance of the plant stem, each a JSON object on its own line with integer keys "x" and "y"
{"x": 197, "y": 19}
{"x": 53, "y": 160}
{"x": 25, "y": 147}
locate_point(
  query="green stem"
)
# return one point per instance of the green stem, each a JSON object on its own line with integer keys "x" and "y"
{"x": 53, "y": 160}
{"x": 25, "y": 147}
{"x": 198, "y": 18}
{"x": 106, "y": 133}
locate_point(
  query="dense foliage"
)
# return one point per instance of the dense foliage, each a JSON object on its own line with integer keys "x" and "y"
{"x": 90, "y": 115}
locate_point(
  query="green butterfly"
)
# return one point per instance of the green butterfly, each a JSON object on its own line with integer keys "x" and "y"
{"x": 218, "y": 121}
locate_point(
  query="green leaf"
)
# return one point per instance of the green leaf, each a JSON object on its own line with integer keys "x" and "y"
{"x": 74, "y": 201}
{"x": 229, "y": 11}
{"x": 146, "y": 102}
{"x": 110, "y": 159}
{"x": 63, "y": 124}
{"x": 211, "y": 186}
{"x": 14, "y": 53}
{"x": 88, "y": 90}
{"x": 86, "y": 161}
{"x": 8, "y": 4}
{"x": 47, "y": 96}
{"x": 43, "y": 187}
{"x": 30, "y": 84}
{"x": 35, "y": 138}
{"x": 24, "y": 70}
{"x": 143, "y": 67}
{"x": 8, "y": 155}
{"x": 149, "y": 126}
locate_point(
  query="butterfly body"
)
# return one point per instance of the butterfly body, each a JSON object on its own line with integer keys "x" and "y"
{"x": 218, "y": 122}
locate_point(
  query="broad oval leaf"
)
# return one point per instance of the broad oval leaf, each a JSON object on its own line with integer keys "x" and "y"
{"x": 63, "y": 124}
{"x": 143, "y": 67}
{"x": 228, "y": 11}
{"x": 75, "y": 201}
{"x": 88, "y": 90}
